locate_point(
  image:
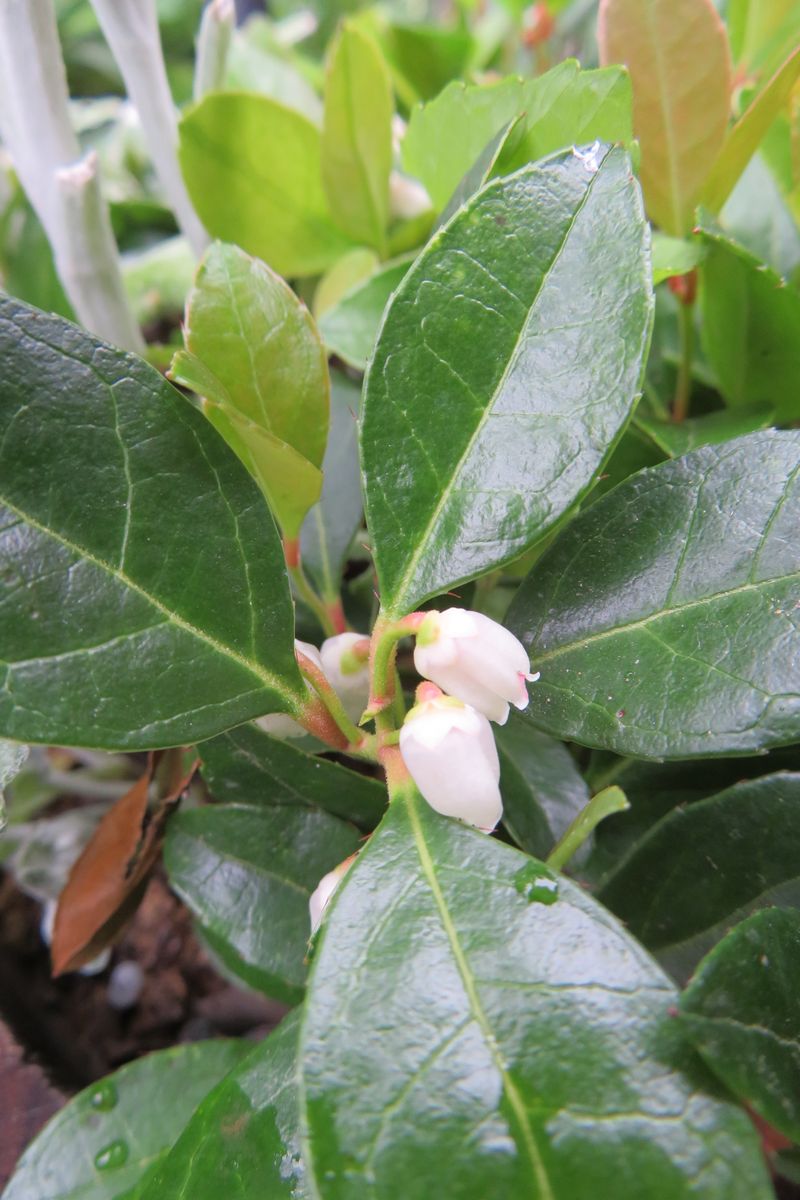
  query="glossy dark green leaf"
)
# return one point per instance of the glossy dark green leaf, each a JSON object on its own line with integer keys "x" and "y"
{"x": 541, "y": 786}
{"x": 144, "y": 598}
{"x": 751, "y": 330}
{"x": 331, "y": 525}
{"x": 462, "y": 996}
{"x": 664, "y": 619}
{"x": 253, "y": 350}
{"x": 107, "y": 1140}
{"x": 656, "y": 788}
{"x": 243, "y": 1140}
{"x": 247, "y": 766}
{"x": 702, "y": 863}
{"x": 247, "y": 873}
{"x": 350, "y": 328}
{"x": 507, "y": 365}
{"x": 357, "y": 137}
{"x": 742, "y": 1011}
{"x": 253, "y": 170}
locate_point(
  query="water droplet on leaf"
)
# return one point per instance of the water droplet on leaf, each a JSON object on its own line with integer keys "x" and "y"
{"x": 115, "y": 1154}
{"x": 104, "y": 1097}
{"x": 537, "y": 887}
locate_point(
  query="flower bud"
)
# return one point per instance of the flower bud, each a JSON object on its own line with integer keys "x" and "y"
{"x": 280, "y": 724}
{"x": 345, "y": 661}
{"x": 449, "y": 751}
{"x": 320, "y": 897}
{"x": 472, "y": 657}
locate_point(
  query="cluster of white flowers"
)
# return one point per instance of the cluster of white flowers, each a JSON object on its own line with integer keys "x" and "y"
{"x": 447, "y": 742}
{"x": 476, "y": 669}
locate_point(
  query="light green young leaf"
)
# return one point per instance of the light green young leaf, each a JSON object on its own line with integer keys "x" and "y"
{"x": 678, "y": 57}
{"x": 477, "y": 430}
{"x": 683, "y": 642}
{"x": 253, "y": 170}
{"x": 350, "y": 328}
{"x": 445, "y": 136}
{"x": 145, "y": 598}
{"x": 357, "y": 137}
{"x": 762, "y": 32}
{"x": 569, "y": 107}
{"x": 564, "y": 107}
{"x": 674, "y": 256}
{"x": 747, "y": 134}
{"x": 254, "y": 355}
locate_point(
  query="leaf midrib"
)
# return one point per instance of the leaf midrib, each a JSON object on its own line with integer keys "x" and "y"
{"x": 265, "y": 677}
{"x": 406, "y": 579}
{"x": 644, "y": 622}
{"x": 509, "y": 1087}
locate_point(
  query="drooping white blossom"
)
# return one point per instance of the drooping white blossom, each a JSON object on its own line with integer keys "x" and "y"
{"x": 280, "y": 724}
{"x": 449, "y": 751}
{"x": 473, "y": 658}
{"x": 320, "y": 897}
{"x": 347, "y": 671}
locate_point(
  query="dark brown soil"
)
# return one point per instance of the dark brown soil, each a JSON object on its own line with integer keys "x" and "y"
{"x": 58, "y": 1036}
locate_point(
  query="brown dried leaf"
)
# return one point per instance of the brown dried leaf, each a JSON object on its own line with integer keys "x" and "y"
{"x": 107, "y": 881}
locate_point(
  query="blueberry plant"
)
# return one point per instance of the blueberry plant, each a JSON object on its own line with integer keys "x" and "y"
{"x": 440, "y": 545}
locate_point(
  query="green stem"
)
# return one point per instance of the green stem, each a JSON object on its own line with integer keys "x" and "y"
{"x": 311, "y": 599}
{"x": 385, "y": 637}
{"x": 356, "y": 737}
{"x": 683, "y": 384}
{"x": 610, "y": 800}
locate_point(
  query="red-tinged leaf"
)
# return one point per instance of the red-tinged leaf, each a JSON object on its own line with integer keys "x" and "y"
{"x": 108, "y": 879}
{"x": 678, "y": 56}
{"x": 748, "y": 132}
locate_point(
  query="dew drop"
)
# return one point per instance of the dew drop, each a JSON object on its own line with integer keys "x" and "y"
{"x": 537, "y": 888}
{"x": 104, "y": 1097}
{"x": 115, "y": 1154}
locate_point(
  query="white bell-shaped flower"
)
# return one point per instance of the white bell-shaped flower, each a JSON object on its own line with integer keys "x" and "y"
{"x": 473, "y": 658}
{"x": 449, "y": 751}
{"x": 320, "y": 897}
{"x": 348, "y": 670}
{"x": 280, "y": 724}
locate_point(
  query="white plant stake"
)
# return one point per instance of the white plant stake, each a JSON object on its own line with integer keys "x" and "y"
{"x": 213, "y": 43}
{"x": 131, "y": 29}
{"x": 62, "y": 187}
